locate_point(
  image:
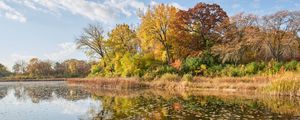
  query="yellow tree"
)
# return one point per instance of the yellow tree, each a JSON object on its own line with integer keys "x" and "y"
{"x": 156, "y": 32}
{"x": 123, "y": 39}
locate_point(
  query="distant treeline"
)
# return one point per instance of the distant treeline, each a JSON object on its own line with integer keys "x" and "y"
{"x": 36, "y": 68}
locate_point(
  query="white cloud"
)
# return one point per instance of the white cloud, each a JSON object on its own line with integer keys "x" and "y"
{"x": 17, "y": 57}
{"x": 66, "y": 50}
{"x": 106, "y": 11}
{"x": 175, "y": 4}
{"x": 178, "y": 6}
{"x": 11, "y": 13}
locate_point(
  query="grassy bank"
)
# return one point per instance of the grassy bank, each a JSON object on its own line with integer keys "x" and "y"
{"x": 287, "y": 84}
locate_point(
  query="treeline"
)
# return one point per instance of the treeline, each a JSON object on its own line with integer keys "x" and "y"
{"x": 36, "y": 68}
{"x": 193, "y": 41}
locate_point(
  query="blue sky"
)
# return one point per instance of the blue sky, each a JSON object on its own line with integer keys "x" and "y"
{"x": 47, "y": 28}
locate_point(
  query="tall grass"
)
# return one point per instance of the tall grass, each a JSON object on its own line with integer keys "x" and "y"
{"x": 284, "y": 87}
{"x": 285, "y": 84}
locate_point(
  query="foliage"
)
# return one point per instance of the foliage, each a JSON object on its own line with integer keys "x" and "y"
{"x": 195, "y": 42}
{"x": 3, "y": 71}
{"x": 36, "y": 68}
{"x": 198, "y": 28}
{"x": 156, "y": 31}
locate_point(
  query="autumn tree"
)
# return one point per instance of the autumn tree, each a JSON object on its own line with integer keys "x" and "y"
{"x": 241, "y": 41}
{"x": 155, "y": 30}
{"x": 75, "y": 68}
{"x": 122, "y": 39}
{"x": 38, "y": 68}
{"x": 199, "y": 28}
{"x": 92, "y": 41}
{"x": 280, "y": 33}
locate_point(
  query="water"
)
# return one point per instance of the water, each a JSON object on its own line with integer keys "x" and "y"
{"x": 60, "y": 101}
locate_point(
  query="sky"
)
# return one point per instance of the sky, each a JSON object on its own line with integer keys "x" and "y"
{"x": 47, "y": 29}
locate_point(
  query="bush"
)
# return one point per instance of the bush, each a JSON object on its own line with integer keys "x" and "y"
{"x": 170, "y": 77}
{"x": 214, "y": 71}
{"x": 187, "y": 77}
{"x": 165, "y": 69}
{"x": 191, "y": 65}
{"x": 291, "y": 66}
{"x": 251, "y": 68}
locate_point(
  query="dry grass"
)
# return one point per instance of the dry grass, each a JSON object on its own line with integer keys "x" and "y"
{"x": 109, "y": 83}
{"x": 285, "y": 84}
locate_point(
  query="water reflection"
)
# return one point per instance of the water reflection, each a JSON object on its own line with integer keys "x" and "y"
{"x": 57, "y": 100}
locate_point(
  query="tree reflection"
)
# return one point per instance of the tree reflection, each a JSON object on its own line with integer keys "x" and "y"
{"x": 151, "y": 104}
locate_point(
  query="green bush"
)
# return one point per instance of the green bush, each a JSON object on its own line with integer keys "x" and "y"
{"x": 291, "y": 66}
{"x": 165, "y": 69}
{"x": 215, "y": 70}
{"x": 187, "y": 77}
{"x": 251, "y": 68}
{"x": 191, "y": 65}
{"x": 170, "y": 77}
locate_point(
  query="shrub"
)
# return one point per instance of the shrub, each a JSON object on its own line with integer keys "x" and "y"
{"x": 277, "y": 66}
{"x": 251, "y": 68}
{"x": 187, "y": 77}
{"x": 165, "y": 69}
{"x": 191, "y": 65}
{"x": 291, "y": 66}
{"x": 170, "y": 77}
{"x": 214, "y": 71}
{"x": 96, "y": 70}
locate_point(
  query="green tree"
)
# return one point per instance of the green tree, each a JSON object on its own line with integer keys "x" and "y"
{"x": 3, "y": 71}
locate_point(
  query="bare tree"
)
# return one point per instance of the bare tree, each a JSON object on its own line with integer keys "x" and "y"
{"x": 19, "y": 67}
{"x": 280, "y": 33}
{"x": 240, "y": 39}
{"x": 92, "y": 41}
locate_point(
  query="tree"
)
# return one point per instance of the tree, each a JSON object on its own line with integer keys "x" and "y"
{"x": 123, "y": 39}
{"x": 76, "y": 68}
{"x": 199, "y": 28}
{"x": 280, "y": 33}
{"x": 155, "y": 30}
{"x": 241, "y": 39}
{"x": 19, "y": 67}
{"x": 3, "y": 71}
{"x": 38, "y": 68}
{"x": 92, "y": 41}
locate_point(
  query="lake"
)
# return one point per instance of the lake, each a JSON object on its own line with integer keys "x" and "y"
{"x": 62, "y": 101}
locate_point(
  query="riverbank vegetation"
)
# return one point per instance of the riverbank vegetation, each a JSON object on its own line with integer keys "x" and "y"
{"x": 201, "y": 41}
{"x": 170, "y": 45}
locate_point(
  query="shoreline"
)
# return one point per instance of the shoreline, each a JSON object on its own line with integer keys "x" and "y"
{"x": 33, "y": 80}
{"x": 281, "y": 84}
